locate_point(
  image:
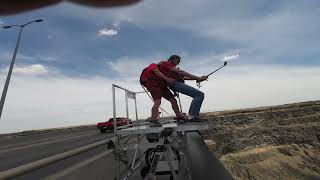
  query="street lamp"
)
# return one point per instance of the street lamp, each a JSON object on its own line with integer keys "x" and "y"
{"x": 6, "y": 85}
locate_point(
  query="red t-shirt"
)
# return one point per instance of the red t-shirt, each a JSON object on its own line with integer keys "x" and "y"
{"x": 154, "y": 80}
{"x": 165, "y": 69}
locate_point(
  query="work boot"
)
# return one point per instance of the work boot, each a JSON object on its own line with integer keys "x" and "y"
{"x": 180, "y": 120}
{"x": 155, "y": 123}
{"x": 196, "y": 119}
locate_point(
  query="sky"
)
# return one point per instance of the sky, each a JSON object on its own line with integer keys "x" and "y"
{"x": 66, "y": 64}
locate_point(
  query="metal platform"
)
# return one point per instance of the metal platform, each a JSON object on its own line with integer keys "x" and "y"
{"x": 176, "y": 151}
{"x": 145, "y": 129}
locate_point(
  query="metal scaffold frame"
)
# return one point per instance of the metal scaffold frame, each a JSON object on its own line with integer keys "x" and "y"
{"x": 118, "y": 152}
{"x": 170, "y": 149}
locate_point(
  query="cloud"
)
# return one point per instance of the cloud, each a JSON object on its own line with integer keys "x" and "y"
{"x": 129, "y": 67}
{"x": 25, "y": 57}
{"x": 1, "y": 22}
{"x": 107, "y": 32}
{"x": 263, "y": 32}
{"x": 35, "y": 69}
{"x": 8, "y": 55}
{"x": 231, "y": 57}
{"x": 269, "y": 31}
{"x": 55, "y": 101}
{"x": 62, "y": 101}
{"x": 252, "y": 86}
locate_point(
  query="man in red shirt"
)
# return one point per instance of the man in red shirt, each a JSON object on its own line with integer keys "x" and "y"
{"x": 168, "y": 68}
{"x": 157, "y": 85}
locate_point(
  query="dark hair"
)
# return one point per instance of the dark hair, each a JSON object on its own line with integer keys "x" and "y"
{"x": 173, "y": 57}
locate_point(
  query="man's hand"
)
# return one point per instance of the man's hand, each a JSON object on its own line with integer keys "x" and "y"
{"x": 202, "y": 78}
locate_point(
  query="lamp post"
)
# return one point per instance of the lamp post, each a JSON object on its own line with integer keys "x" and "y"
{"x": 6, "y": 85}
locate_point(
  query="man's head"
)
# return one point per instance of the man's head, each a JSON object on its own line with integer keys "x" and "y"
{"x": 174, "y": 59}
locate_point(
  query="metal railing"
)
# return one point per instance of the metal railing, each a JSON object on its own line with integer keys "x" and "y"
{"x": 128, "y": 95}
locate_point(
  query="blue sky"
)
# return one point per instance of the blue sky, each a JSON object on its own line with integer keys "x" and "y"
{"x": 269, "y": 32}
{"x": 77, "y": 45}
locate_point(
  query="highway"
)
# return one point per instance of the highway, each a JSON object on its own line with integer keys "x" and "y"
{"x": 81, "y": 154}
{"x": 24, "y": 149}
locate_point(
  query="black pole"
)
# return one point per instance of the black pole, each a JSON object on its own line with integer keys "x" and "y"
{"x": 224, "y": 64}
{"x": 6, "y": 85}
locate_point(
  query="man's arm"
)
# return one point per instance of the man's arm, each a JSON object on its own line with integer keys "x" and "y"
{"x": 162, "y": 76}
{"x": 187, "y": 76}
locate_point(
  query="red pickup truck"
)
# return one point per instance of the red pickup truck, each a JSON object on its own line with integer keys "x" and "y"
{"x": 108, "y": 125}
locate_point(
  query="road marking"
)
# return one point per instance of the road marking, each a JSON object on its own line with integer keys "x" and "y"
{"x": 72, "y": 169}
{"x": 42, "y": 143}
{"x": 41, "y": 140}
{"x": 46, "y": 161}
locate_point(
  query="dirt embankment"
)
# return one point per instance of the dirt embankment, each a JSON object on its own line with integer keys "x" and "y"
{"x": 278, "y": 142}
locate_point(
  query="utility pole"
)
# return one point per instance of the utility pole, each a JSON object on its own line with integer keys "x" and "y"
{"x": 6, "y": 85}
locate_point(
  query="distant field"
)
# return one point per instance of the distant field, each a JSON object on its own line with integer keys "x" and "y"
{"x": 275, "y": 142}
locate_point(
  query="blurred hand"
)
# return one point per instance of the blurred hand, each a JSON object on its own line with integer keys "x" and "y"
{"x": 202, "y": 78}
{"x": 10, "y": 7}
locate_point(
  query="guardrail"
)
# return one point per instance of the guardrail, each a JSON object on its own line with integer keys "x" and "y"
{"x": 17, "y": 171}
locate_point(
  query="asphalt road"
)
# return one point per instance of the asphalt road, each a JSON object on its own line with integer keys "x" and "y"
{"x": 24, "y": 149}
{"x": 96, "y": 164}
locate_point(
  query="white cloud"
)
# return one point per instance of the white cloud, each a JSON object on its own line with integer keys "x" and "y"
{"x": 6, "y": 56}
{"x": 260, "y": 86}
{"x": 128, "y": 67}
{"x": 267, "y": 33}
{"x": 55, "y": 101}
{"x": 52, "y": 101}
{"x": 43, "y": 102}
{"x": 240, "y": 86}
{"x": 107, "y": 32}
{"x": 35, "y": 69}
{"x": 266, "y": 30}
{"x": 1, "y": 22}
{"x": 25, "y": 57}
{"x": 231, "y": 57}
